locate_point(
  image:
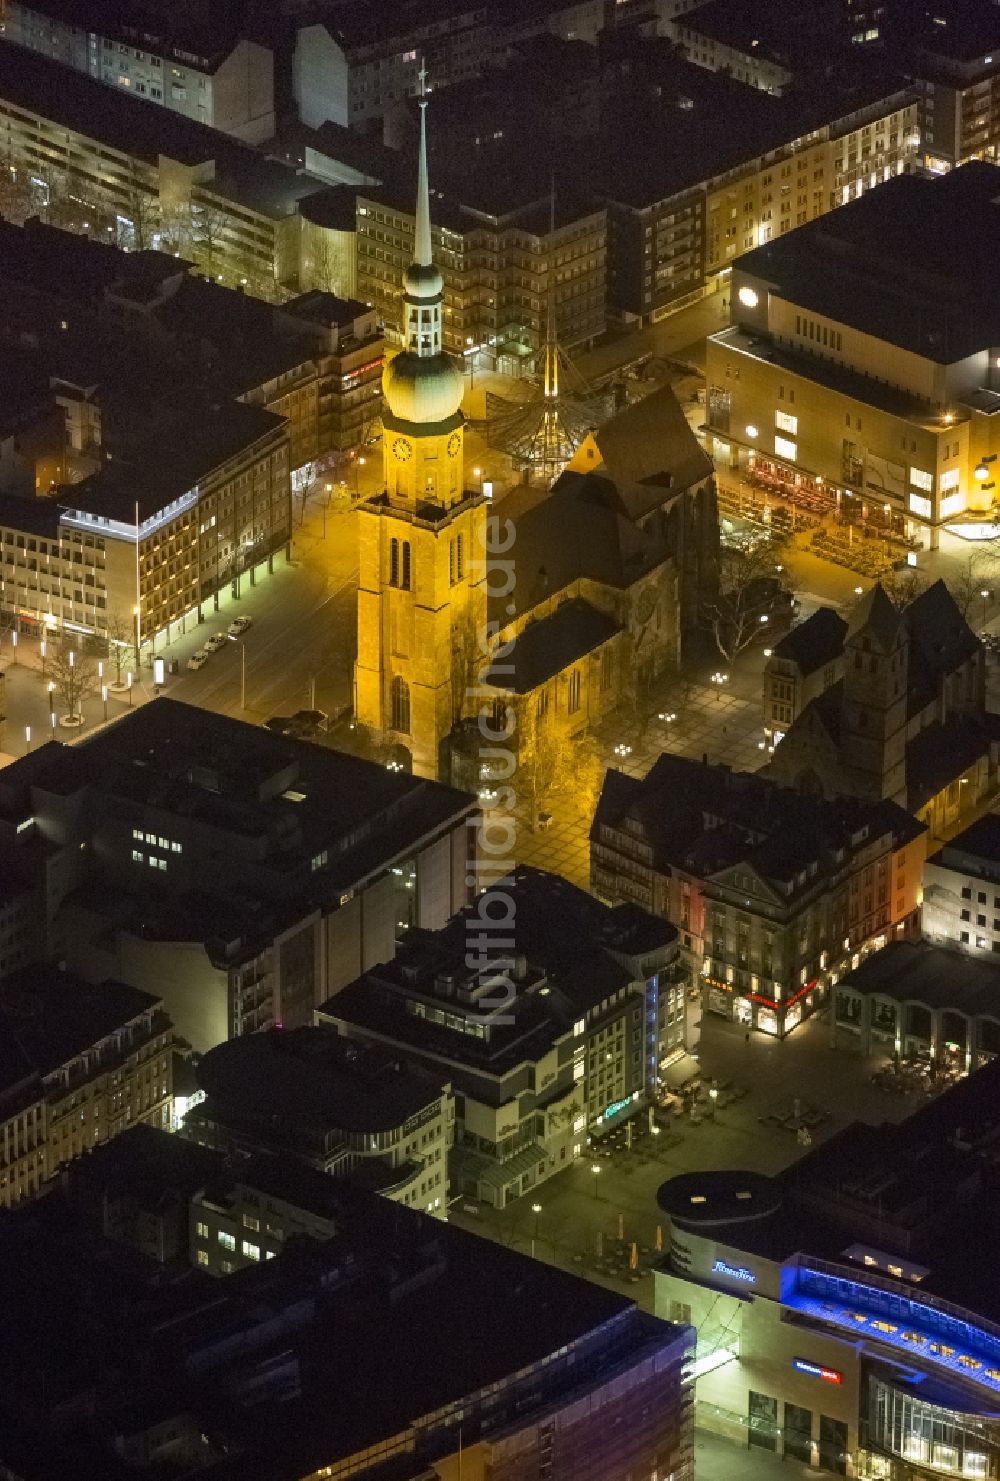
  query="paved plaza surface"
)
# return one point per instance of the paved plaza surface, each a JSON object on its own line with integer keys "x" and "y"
{"x": 583, "y": 1213}
{"x": 716, "y": 1459}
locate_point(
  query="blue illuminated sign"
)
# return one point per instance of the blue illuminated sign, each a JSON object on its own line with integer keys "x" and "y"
{"x": 616, "y": 1106}
{"x": 735, "y": 1272}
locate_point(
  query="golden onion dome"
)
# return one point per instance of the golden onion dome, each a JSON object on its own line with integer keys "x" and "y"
{"x": 422, "y": 388}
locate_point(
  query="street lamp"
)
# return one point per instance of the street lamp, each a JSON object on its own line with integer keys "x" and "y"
{"x": 128, "y": 678}
{"x": 718, "y": 679}
{"x": 477, "y": 474}
{"x": 595, "y": 1168}
{"x": 42, "y": 648}
{"x": 985, "y": 596}
{"x": 104, "y": 699}
{"x": 536, "y": 1209}
{"x": 52, "y": 699}
{"x": 713, "y": 1095}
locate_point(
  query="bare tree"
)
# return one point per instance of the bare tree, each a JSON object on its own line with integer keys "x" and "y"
{"x": 750, "y": 577}
{"x": 73, "y": 672}
{"x": 902, "y": 586}
{"x": 121, "y": 641}
{"x": 208, "y": 226}
{"x": 325, "y": 265}
{"x": 977, "y": 573}
{"x": 137, "y": 218}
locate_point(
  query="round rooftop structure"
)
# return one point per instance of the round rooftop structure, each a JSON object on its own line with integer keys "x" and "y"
{"x": 422, "y": 388}
{"x": 423, "y": 281}
{"x": 706, "y": 1200}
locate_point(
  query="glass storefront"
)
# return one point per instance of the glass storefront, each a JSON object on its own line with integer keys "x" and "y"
{"x": 929, "y": 1436}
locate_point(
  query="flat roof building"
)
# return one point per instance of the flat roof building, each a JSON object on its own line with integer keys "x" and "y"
{"x": 842, "y": 1312}
{"x": 351, "y": 1334}
{"x": 562, "y": 1034}
{"x": 962, "y": 890}
{"x": 860, "y": 356}
{"x": 244, "y": 875}
{"x": 348, "y": 1110}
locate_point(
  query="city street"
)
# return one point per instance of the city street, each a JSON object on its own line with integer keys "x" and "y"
{"x": 583, "y": 1211}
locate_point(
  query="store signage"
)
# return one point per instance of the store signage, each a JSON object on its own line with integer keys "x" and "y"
{"x": 616, "y": 1106}
{"x": 815, "y": 1370}
{"x": 735, "y": 1272}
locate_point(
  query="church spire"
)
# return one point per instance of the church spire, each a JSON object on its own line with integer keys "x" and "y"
{"x": 551, "y": 353}
{"x": 422, "y": 234}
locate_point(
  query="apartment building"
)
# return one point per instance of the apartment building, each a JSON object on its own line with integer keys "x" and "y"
{"x": 774, "y": 892}
{"x": 249, "y": 876}
{"x": 679, "y": 216}
{"x": 861, "y": 354}
{"x": 956, "y": 70}
{"x": 208, "y": 73}
{"x": 350, "y": 1111}
{"x": 564, "y": 1035}
{"x": 500, "y": 262}
{"x": 107, "y": 162}
{"x": 82, "y": 1063}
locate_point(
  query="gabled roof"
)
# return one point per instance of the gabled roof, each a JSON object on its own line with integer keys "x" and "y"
{"x": 550, "y": 644}
{"x": 652, "y": 442}
{"x": 941, "y": 640}
{"x": 576, "y": 530}
{"x": 877, "y": 617}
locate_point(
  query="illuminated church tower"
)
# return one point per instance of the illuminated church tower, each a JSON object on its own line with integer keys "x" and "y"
{"x": 421, "y": 583}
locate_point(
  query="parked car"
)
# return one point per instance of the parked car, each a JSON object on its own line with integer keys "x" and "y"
{"x": 303, "y": 725}
{"x": 215, "y": 642}
{"x": 239, "y": 627}
{"x": 198, "y": 660}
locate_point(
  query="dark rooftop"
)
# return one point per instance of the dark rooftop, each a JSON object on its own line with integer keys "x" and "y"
{"x": 203, "y": 35}
{"x": 981, "y": 840}
{"x": 812, "y": 644}
{"x": 313, "y": 1077}
{"x": 54, "y": 1016}
{"x": 549, "y": 644}
{"x": 917, "y": 971}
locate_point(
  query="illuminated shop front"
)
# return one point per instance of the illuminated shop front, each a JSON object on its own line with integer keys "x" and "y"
{"x": 757, "y": 1010}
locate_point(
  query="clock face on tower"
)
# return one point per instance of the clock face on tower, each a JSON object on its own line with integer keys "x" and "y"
{"x": 401, "y": 449}
{"x": 454, "y": 445}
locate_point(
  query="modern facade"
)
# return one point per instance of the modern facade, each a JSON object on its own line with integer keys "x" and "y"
{"x": 423, "y": 537}
{"x": 887, "y": 408}
{"x": 215, "y": 77}
{"x": 245, "y": 875}
{"x": 774, "y": 892}
{"x": 352, "y": 1112}
{"x": 962, "y": 890}
{"x": 913, "y": 999}
{"x": 101, "y": 159}
{"x": 438, "y": 1346}
{"x": 841, "y": 1323}
{"x": 906, "y": 720}
{"x": 563, "y": 1036}
{"x": 81, "y": 1063}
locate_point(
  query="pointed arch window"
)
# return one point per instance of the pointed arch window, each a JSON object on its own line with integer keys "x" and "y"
{"x": 406, "y": 573}
{"x": 399, "y": 700}
{"x": 393, "y": 562}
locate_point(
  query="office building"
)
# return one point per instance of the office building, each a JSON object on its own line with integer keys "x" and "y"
{"x": 352, "y": 1112}
{"x": 907, "y": 719}
{"x": 562, "y": 1036}
{"x": 962, "y": 890}
{"x": 916, "y": 1000}
{"x": 842, "y": 1313}
{"x": 81, "y": 1064}
{"x": 727, "y": 169}
{"x": 843, "y": 368}
{"x": 500, "y": 254}
{"x": 374, "y": 1336}
{"x": 208, "y": 73}
{"x": 247, "y": 875}
{"x": 774, "y": 891}
{"x": 103, "y": 160}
